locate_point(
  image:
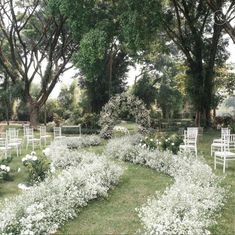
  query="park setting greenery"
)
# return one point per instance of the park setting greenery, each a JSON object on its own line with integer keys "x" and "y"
{"x": 118, "y": 167}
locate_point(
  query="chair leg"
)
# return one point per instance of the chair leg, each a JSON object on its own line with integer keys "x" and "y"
{"x": 214, "y": 162}
{"x": 224, "y": 164}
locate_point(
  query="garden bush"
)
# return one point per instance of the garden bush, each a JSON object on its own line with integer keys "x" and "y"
{"x": 37, "y": 167}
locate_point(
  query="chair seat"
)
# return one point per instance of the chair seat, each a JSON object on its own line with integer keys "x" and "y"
{"x": 14, "y": 144}
{"x": 5, "y": 148}
{"x": 217, "y": 144}
{"x": 226, "y": 154}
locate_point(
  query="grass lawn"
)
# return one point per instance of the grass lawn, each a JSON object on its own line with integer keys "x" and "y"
{"x": 116, "y": 214}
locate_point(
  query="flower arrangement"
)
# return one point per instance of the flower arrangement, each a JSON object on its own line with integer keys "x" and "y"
{"x": 44, "y": 207}
{"x": 189, "y": 205}
{"x": 79, "y": 142}
{"x": 37, "y": 167}
{"x": 116, "y": 106}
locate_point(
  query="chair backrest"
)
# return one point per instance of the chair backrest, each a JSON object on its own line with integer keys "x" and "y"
{"x": 3, "y": 143}
{"x": 190, "y": 137}
{"x": 225, "y": 131}
{"x": 12, "y": 134}
{"x": 43, "y": 131}
{"x": 57, "y": 132}
{"x": 225, "y": 141}
{"x": 25, "y": 127}
{"x": 29, "y": 133}
{"x": 3, "y": 135}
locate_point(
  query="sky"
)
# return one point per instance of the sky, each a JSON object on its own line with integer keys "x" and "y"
{"x": 67, "y": 77}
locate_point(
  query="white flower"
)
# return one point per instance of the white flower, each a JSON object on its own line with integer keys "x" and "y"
{"x": 19, "y": 169}
{"x": 172, "y": 143}
{"x": 33, "y": 153}
{"x": 46, "y": 152}
{"x": 34, "y": 158}
{"x": 7, "y": 168}
{"x": 3, "y": 167}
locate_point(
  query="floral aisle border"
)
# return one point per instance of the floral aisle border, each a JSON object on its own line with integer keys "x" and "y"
{"x": 123, "y": 103}
{"x": 47, "y": 206}
{"x": 189, "y": 205}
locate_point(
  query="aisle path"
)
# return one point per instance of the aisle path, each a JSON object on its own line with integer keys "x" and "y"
{"x": 117, "y": 214}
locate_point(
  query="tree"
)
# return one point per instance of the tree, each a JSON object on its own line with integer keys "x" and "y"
{"x": 225, "y": 11}
{"x": 145, "y": 90}
{"x": 35, "y": 42}
{"x": 191, "y": 26}
{"x": 117, "y": 29}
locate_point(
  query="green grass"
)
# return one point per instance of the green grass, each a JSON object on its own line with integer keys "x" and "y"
{"x": 116, "y": 214}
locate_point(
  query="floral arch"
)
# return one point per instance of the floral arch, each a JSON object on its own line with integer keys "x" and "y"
{"x": 116, "y": 106}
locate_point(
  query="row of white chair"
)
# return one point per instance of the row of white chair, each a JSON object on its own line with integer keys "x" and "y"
{"x": 10, "y": 140}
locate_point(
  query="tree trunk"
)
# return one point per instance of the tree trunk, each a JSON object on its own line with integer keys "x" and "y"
{"x": 198, "y": 119}
{"x": 34, "y": 113}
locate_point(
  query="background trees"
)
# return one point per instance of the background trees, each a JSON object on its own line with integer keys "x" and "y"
{"x": 35, "y": 43}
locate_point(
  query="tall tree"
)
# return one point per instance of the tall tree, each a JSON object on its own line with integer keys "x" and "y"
{"x": 35, "y": 43}
{"x": 191, "y": 26}
{"x": 117, "y": 29}
{"x": 225, "y": 15}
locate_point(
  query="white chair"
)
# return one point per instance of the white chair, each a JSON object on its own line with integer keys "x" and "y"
{"x": 223, "y": 156}
{"x": 13, "y": 140}
{"x": 57, "y": 133}
{"x": 224, "y": 131}
{"x": 4, "y": 147}
{"x": 25, "y": 127}
{"x": 232, "y": 141}
{"x": 43, "y": 134}
{"x": 30, "y": 139}
{"x": 190, "y": 141}
{"x": 218, "y": 144}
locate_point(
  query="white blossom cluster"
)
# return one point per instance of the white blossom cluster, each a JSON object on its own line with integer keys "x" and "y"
{"x": 30, "y": 157}
{"x": 47, "y": 206}
{"x": 80, "y": 141}
{"x": 121, "y": 129}
{"x": 4, "y": 168}
{"x": 189, "y": 205}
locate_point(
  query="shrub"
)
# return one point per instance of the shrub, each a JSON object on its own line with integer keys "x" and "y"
{"x": 171, "y": 143}
{"x": 4, "y": 172}
{"x": 223, "y": 121}
{"x": 37, "y": 167}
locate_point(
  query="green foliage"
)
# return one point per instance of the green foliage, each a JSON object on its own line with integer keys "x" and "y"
{"x": 139, "y": 21}
{"x": 145, "y": 90}
{"x": 149, "y": 142}
{"x": 92, "y": 52}
{"x": 223, "y": 121}
{"x": 170, "y": 142}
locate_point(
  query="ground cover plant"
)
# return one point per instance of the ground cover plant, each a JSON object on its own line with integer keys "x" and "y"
{"x": 46, "y": 206}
